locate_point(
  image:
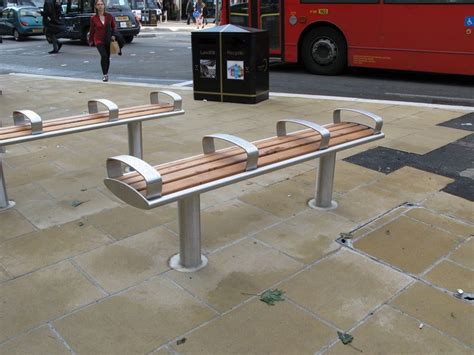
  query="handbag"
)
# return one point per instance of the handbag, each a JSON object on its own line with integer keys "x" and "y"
{"x": 114, "y": 47}
{"x": 119, "y": 38}
{"x": 196, "y": 13}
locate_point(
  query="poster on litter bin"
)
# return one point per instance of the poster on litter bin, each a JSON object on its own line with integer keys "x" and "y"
{"x": 235, "y": 70}
{"x": 207, "y": 68}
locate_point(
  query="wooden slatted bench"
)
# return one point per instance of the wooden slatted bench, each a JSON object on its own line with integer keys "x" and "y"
{"x": 184, "y": 180}
{"x": 29, "y": 126}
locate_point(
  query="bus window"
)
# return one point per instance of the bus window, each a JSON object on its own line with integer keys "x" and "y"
{"x": 269, "y": 19}
{"x": 239, "y": 14}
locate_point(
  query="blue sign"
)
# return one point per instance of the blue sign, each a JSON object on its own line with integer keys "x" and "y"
{"x": 469, "y": 21}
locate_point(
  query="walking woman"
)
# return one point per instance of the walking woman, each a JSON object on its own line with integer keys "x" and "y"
{"x": 198, "y": 11}
{"x": 100, "y": 35}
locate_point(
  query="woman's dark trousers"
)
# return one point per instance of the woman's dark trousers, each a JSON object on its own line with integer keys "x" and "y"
{"x": 104, "y": 51}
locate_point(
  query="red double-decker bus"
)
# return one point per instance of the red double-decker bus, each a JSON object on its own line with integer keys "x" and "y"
{"x": 329, "y": 35}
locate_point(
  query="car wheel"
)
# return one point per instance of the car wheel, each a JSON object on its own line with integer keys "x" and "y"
{"x": 128, "y": 39}
{"x": 324, "y": 51}
{"x": 17, "y": 35}
{"x": 85, "y": 36}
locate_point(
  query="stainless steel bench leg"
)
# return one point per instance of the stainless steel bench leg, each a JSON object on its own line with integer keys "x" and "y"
{"x": 189, "y": 258}
{"x": 135, "y": 145}
{"x": 324, "y": 185}
{"x": 4, "y": 202}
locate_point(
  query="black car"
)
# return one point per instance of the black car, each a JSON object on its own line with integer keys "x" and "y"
{"x": 77, "y": 15}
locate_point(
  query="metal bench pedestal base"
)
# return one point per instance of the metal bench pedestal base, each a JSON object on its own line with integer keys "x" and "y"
{"x": 189, "y": 258}
{"x": 175, "y": 261}
{"x": 312, "y": 204}
{"x": 10, "y": 204}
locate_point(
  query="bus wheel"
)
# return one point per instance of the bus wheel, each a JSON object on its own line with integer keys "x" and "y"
{"x": 324, "y": 51}
{"x": 128, "y": 39}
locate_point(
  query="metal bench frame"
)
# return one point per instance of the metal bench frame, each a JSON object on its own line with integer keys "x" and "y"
{"x": 190, "y": 258}
{"x": 134, "y": 128}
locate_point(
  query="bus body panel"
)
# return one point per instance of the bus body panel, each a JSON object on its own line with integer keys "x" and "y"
{"x": 434, "y": 62}
{"x": 419, "y": 37}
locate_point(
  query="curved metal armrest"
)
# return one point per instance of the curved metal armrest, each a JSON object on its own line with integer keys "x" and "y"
{"x": 111, "y": 107}
{"x": 176, "y": 99}
{"x": 378, "y": 120}
{"x": 152, "y": 177}
{"x": 22, "y": 116}
{"x": 251, "y": 150}
{"x": 323, "y": 131}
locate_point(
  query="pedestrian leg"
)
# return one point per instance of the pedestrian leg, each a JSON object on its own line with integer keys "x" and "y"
{"x": 54, "y": 42}
{"x": 104, "y": 52}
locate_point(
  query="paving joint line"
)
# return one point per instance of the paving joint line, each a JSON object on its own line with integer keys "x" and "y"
{"x": 61, "y": 338}
{"x": 89, "y": 277}
{"x": 457, "y": 340}
{"x": 396, "y": 268}
{"x": 183, "y": 288}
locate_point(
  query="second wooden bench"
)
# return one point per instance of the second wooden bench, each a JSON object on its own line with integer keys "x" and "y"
{"x": 29, "y": 126}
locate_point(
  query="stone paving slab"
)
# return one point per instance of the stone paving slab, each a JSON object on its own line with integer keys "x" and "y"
{"x": 13, "y": 224}
{"x": 136, "y": 321}
{"x": 39, "y": 341}
{"x": 120, "y": 265}
{"x": 394, "y": 243}
{"x": 238, "y": 272}
{"x": 463, "y": 230}
{"x": 228, "y": 222}
{"x": 344, "y": 288}
{"x": 308, "y": 236}
{"x": 451, "y": 276}
{"x": 464, "y": 254}
{"x": 45, "y": 247}
{"x": 93, "y": 278}
{"x": 398, "y": 333}
{"x": 39, "y": 297}
{"x": 440, "y": 310}
{"x": 256, "y": 328}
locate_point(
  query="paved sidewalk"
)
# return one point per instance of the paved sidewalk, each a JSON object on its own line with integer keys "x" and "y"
{"x": 92, "y": 278}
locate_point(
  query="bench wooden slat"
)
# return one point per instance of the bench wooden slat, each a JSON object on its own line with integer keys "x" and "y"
{"x": 222, "y": 153}
{"x": 262, "y": 145}
{"x": 240, "y": 167}
{"x": 83, "y": 120}
{"x": 267, "y": 156}
{"x": 82, "y": 117}
{"x": 275, "y": 154}
{"x": 241, "y": 157}
{"x": 236, "y": 155}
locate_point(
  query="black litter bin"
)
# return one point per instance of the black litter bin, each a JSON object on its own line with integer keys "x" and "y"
{"x": 149, "y": 17}
{"x": 230, "y": 63}
{"x": 153, "y": 17}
